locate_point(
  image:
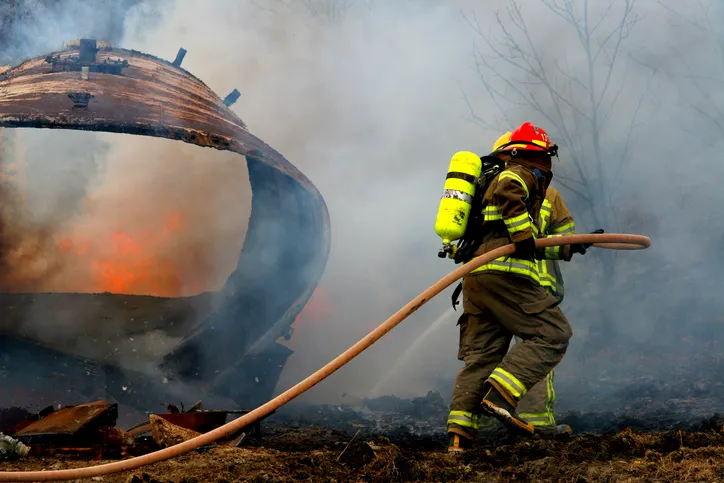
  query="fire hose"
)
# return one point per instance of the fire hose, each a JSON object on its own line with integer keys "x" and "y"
{"x": 613, "y": 241}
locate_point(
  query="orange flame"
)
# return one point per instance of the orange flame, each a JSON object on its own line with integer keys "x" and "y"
{"x": 134, "y": 263}
{"x": 317, "y": 310}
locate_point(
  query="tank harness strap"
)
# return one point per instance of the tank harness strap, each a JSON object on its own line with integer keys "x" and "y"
{"x": 464, "y": 176}
{"x": 456, "y": 295}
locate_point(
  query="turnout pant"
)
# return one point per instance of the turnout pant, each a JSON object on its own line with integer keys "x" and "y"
{"x": 496, "y": 307}
{"x": 537, "y": 405}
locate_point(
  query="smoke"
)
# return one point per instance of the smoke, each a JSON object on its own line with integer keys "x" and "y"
{"x": 142, "y": 224}
{"x": 371, "y": 104}
{"x": 86, "y": 212}
{"x": 374, "y": 108}
{"x": 34, "y": 27}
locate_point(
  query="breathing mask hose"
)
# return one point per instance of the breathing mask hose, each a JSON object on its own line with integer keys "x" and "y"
{"x": 608, "y": 240}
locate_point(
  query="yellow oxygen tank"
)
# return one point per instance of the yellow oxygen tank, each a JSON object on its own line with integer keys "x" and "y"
{"x": 457, "y": 198}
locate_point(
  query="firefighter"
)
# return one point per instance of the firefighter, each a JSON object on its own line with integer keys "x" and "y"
{"x": 555, "y": 220}
{"x": 504, "y": 298}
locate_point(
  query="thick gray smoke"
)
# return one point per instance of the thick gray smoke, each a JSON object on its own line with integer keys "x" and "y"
{"x": 396, "y": 94}
{"x": 107, "y": 212}
{"x": 371, "y": 100}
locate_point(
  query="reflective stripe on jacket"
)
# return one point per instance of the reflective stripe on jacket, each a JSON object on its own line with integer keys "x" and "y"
{"x": 555, "y": 220}
{"x": 512, "y": 205}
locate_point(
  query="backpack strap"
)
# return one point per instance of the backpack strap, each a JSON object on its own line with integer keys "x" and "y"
{"x": 456, "y": 295}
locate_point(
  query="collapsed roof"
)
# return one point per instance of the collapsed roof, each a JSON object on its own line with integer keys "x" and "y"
{"x": 94, "y": 87}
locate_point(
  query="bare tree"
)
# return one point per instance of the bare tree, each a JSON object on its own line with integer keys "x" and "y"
{"x": 693, "y": 64}
{"x": 576, "y": 104}
{"x": 699, "y": 66}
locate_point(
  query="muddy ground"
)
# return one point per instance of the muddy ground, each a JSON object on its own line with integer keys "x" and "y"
{"x": 693, "y": 453}
{"x": 660, "y": 428}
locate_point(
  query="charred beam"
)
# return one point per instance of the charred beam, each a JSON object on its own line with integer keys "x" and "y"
{"x": 179, "y": 57}
{"x": 231, "y": 98}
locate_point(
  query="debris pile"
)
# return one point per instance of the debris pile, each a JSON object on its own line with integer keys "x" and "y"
{"x": 86, "y": 429}
{"x": 89, "y": 431}
{"x": 350, "y": 446}
{"x": 328, "y": 456}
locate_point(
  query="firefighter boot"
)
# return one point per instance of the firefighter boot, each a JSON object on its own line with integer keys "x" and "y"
{"x": 499, "y": 404}
{"x": 458, "y": 443}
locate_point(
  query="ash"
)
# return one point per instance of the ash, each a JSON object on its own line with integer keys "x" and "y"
{"x": 424, "y": 418}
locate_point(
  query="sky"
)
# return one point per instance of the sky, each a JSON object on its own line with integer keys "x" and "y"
{"x": 370, "y": 101}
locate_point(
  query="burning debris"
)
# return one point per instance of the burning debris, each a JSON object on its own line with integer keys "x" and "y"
{"x": 205, "y": 340}
{"x": 127, "y": 263}
{"x": 89, "y": 431}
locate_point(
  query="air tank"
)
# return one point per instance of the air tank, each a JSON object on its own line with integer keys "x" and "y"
{"x": 457, "y": 197}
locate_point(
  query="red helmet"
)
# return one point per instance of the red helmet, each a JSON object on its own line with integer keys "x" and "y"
{"x": 528, "y": 137}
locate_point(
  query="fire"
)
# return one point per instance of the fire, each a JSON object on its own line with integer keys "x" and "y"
{"x": 125, "y": 262}
{"x": 317, "y": 310}
{"x": 152, "y": 217}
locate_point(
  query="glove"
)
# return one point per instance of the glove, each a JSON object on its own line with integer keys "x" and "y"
{"x": 525, "y": 249}
{"x": 582, "y": 247}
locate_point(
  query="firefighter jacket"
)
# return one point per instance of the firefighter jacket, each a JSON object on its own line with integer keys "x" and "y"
{"x": 511, "y": 208}
{"x": 555, "y": 220}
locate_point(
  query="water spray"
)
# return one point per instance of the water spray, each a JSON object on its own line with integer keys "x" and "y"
{"x": 437, "y": 324}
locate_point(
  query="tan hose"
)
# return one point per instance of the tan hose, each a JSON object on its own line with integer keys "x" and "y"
{"x": 608, "y": 240}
